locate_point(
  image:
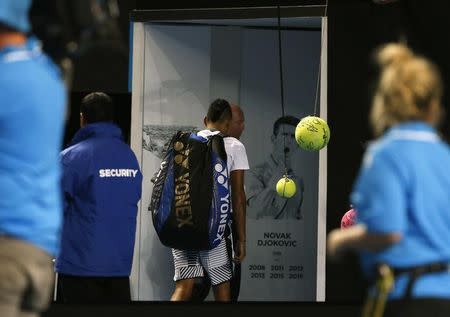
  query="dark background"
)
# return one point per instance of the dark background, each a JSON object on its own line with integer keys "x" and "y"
{"x": 355, "y": 28}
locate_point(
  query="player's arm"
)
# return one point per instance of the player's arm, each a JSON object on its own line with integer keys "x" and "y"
{"x": 238, "y": 201}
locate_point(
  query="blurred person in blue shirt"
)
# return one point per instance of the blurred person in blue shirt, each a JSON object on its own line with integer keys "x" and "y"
{"x": 32, "y": 108}
{"x": 402, "y": 193}
{"x": 101, "y": 184}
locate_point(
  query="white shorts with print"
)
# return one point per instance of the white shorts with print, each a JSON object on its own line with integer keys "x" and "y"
{"x": 216, "y": 262}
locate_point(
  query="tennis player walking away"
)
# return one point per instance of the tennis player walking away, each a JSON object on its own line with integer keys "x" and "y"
{"x": 202, "y": 286}
{"x": 216, "y": 262}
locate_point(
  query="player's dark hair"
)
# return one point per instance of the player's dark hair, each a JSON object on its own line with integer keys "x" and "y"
{"x": 219, "y": 110}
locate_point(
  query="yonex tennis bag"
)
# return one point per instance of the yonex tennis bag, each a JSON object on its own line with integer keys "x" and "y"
{"x": 190, "y": 201}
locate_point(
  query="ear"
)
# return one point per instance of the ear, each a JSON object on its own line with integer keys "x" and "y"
{"x": 205, "y": 121}
{"x": 272, "y": 138}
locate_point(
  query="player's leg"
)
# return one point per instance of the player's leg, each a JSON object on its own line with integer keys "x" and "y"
{"x": 222, "y": 292}
{"x": 183, "y": 290}
{"x": 187, "y": 268}
{"x": 202, "y": 286}
{"x": 217, "y": 264}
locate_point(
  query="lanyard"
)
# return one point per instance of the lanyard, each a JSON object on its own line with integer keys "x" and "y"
{"x": 21, "y": 54}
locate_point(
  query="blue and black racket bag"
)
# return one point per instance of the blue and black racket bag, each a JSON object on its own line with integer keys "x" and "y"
{"x": 190, "y": 201}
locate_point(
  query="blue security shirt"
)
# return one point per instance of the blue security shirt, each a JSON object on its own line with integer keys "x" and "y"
{"x": 101, "y": 186}
{"x": 404, "y": 187}
{"x": 32, "y": 106}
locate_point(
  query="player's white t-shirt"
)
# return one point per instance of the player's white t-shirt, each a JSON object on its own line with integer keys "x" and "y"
{"x": 236, "y": 154}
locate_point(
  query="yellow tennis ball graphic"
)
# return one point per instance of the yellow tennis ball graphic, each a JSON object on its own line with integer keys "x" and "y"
{"x": 312, "y": 133}
{"x": 286, "y": 187}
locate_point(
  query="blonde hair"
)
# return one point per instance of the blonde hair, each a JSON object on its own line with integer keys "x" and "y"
{"x": 407, "y": 86}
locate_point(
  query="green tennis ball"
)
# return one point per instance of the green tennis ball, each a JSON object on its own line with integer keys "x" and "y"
{"x": 312, "y": 133}
{"x": 286, "y": 187}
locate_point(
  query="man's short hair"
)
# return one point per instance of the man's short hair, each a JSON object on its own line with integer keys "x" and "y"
{"x": 290, "y": 120}
{"x": 219, "y": 110}
{"x": 97, "y": 107}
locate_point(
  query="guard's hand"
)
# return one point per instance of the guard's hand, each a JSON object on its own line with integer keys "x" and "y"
{"x": 333, "y": 244}
{"x": 239, "y": 253}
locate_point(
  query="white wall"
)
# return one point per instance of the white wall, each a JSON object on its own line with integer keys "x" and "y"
{"x": 176, "y": 84}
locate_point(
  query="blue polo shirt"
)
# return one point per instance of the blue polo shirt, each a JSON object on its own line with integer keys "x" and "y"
{"x": 404, "y": 187}
{"x": 32, "y": 106}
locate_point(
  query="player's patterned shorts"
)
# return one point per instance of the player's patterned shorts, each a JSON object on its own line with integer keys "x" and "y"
{"x": 216, "y": 262}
